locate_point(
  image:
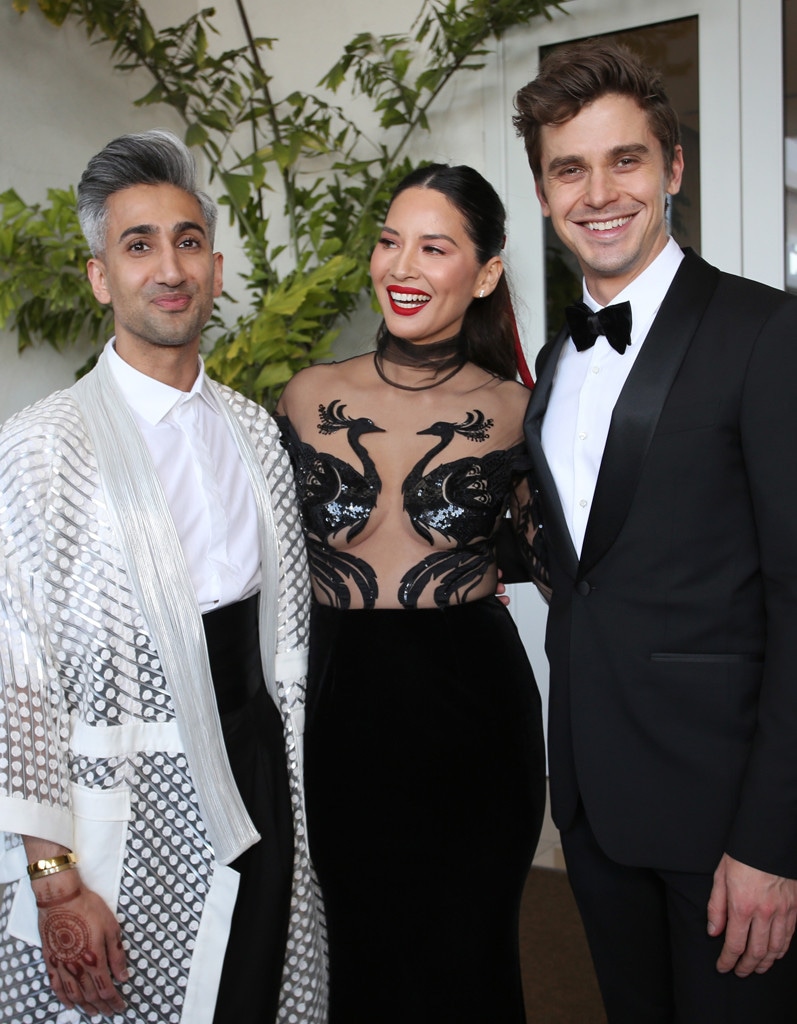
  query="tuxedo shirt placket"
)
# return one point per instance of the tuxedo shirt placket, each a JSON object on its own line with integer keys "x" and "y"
{"x": 204, "y": 482}
{"x": 585, "y": 390}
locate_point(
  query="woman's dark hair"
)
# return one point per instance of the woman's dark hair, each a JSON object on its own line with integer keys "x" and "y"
{"x": 489, "y": 324}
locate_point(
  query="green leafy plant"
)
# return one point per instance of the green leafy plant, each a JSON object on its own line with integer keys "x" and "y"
{"x": 44, "y": 291}
{"x": 333, "y": 181}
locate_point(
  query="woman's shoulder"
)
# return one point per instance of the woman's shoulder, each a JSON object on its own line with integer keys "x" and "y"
{"x": 514, "y": 393}
{"x": 513, "y": 389}
{"x": 311, "y": 382}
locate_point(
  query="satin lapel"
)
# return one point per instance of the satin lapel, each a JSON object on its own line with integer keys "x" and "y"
{"x": 554, "y": 525}
{"x": 640, "y": 403}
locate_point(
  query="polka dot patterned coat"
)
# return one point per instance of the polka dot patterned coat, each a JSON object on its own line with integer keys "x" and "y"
{"x": 90, "y": 752}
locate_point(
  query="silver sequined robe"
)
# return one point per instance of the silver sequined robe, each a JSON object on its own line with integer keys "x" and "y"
{"x": 90, "y": 750}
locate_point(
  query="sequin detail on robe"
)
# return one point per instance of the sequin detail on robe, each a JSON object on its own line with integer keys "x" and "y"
{"x": 86, "y": 718}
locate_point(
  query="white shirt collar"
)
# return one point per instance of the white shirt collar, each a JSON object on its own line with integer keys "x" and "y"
{"x": 646, "y": 292}
{"x": 151, "y": 399}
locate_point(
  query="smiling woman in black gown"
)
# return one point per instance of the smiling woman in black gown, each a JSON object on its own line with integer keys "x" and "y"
{"x": 424, "y": 759}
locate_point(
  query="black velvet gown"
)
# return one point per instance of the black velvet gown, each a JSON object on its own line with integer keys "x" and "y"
{"x": 424, "y": 759}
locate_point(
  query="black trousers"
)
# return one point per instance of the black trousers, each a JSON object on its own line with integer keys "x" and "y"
{"x": 253, "y": 736}
{"x": 654, "y": 959}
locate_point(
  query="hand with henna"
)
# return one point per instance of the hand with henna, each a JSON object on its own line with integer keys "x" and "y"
{"x": 81, "y": 939}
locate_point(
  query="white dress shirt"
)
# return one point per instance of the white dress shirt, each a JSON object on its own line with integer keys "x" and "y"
{"x": 204, "y": 481}
{"x": 586, "y": 387}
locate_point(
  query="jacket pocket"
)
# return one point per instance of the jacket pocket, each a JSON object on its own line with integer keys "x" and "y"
{"x": 706, "y": 659}
{"x": 676, "y": 419}
{"x": 100, "y": 823}
{"x": 102, "y": 819}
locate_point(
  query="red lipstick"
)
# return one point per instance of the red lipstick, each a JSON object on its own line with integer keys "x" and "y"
{"x": 407, "y": 301}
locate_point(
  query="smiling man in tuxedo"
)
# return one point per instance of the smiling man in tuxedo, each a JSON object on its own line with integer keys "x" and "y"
{"x": 663, "y": 431}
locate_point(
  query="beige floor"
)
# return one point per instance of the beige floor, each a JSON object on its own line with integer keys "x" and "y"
{"x": 549, "y": 851}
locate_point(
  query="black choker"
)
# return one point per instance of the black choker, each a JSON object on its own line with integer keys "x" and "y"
{"x": 445, "y": 357}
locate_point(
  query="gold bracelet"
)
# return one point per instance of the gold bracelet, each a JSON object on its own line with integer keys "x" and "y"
{"x": 51, "y": 866}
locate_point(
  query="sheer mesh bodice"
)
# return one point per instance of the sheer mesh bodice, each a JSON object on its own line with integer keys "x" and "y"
{"x": 401, "y": 493}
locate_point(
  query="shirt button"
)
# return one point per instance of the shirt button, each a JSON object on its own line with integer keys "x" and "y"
{"x": 596, "y": 369}
{"x": 582, "y": 503}
{"x": 582, "y": 436}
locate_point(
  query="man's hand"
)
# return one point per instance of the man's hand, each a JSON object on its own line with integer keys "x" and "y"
{"x": 81, "y": 944}
{"x": 81, "y": 939}
{"x": 758, "y": 912}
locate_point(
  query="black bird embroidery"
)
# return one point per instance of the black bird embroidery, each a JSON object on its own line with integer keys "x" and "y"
{"x": 348, "y": 495}
{"x": 461, "y": 502}
{"x": 335, "y": 496}
{"x": 445, "y": 499}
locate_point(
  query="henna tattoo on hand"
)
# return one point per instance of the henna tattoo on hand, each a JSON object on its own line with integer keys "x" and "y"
{"x": 73, "y": 991}
{"x": 67, "y": 937}
{"x": 56, "y": 901}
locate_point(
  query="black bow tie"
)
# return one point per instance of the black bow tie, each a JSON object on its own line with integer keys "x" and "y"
{"x": 612, "y": 321}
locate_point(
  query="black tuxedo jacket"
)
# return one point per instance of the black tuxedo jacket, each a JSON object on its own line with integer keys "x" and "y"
{"x": 673, "y": 640}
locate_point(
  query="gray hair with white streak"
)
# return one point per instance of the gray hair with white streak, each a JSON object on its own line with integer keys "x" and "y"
{"x": 155, "y": 157}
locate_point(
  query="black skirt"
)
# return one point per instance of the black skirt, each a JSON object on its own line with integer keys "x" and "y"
{"x": 425, "y": 780}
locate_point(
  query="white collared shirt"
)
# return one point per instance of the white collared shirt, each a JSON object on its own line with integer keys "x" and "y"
{"x": 203, "y": 478}
{"x": 586, "y": 387}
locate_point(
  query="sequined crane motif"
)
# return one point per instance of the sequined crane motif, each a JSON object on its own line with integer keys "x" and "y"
{"x": 460, "y": 501}
{"x": 335, "y": 496}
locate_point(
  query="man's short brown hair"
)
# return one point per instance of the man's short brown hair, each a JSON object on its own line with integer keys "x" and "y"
{"x": 572, "y": 76}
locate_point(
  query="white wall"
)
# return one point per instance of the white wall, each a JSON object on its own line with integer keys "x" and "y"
{"x": 60, "y": 102}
